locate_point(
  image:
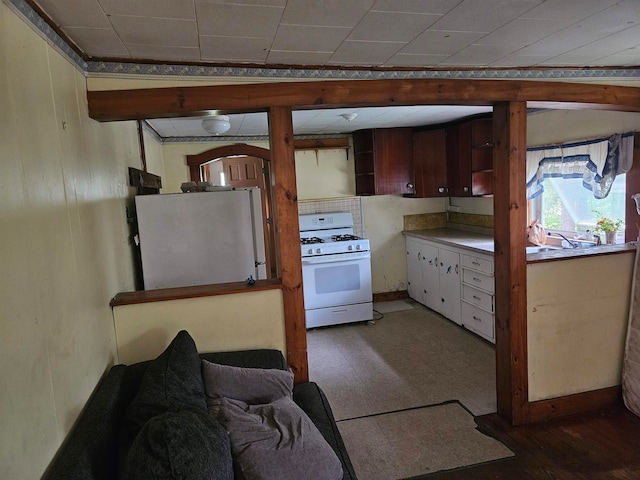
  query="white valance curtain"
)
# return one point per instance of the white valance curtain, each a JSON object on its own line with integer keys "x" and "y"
{"x": 597, "y": 162}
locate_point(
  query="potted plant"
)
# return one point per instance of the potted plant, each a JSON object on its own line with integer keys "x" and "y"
{"x": 609, "y": 227}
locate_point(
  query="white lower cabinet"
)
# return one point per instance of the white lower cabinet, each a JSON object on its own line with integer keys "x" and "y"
{"x": 455, "y": 282}
{"x": 433, "y": 277}
{"x": 478, "y": 286}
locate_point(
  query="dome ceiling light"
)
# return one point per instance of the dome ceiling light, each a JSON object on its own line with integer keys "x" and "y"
{"x": 216, "y": 124}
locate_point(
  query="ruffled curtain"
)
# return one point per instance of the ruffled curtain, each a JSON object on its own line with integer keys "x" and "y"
{"x": 597, "y": 162}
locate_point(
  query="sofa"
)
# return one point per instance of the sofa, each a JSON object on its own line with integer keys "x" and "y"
{"x": 164, "y": 419}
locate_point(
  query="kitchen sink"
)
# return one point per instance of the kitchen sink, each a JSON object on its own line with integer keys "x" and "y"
{"x": 536, "y": 249}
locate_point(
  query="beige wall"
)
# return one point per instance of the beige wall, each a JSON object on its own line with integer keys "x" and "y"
{"x": 383, "y": 221}
{"x": 577, "y": 323}
{"x": 218, "y": 323}
{"x": 64, "y": 246}
{"x": 557, "y": 126}
{"x": 154, "y": 154}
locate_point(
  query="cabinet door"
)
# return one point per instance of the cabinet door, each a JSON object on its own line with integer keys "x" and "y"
{"x": 450, "y": 285}
{"x": 458, "y": 148}
{"x": 414, "y": 269}
{"x": 430, "y": 163}
{"x": 431, "y": 277}
{"x": 393, "y": 159}
{"x": 482, "y": 157}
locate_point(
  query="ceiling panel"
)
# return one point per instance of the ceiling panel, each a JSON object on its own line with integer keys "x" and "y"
{"x": 156, "y": 31}
{"x": 337, "y": 13}
{"x": 305, "y": 38}
{"x": 390, "y": 33}
{"x": 325, "y": 121}
{"x": 224, "y": 20}
{"x": 183, "y": 9}
{"x": 76, "y": 13}
{"x": 376, "y": 26}
{"x": 483, "y": 15}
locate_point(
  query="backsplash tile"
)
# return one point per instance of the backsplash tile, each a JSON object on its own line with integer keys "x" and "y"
{"x": 471, "y": 219}
{"x": 425, "y": 221}
{"x": 344, "y": 204}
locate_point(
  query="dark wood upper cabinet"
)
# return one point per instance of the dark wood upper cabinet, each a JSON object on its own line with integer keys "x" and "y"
{"x": 482, "y": 157}
{"x": 383, "y": 161}
{"x": 430, "y": 163}
{"x": 458, "y": 147}
{"x": 470, "y": 158}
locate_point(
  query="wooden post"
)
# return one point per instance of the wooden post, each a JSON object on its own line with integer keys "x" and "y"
{"x": 286, "y": 196}
{"x": 510, "y": 219}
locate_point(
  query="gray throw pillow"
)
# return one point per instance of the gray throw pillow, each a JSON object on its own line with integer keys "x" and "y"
{"x": 275, "y": 441}
{"x": 250, "y": 385}
{"x": 180, "y": 445}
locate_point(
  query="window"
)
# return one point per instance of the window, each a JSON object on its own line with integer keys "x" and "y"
{"x": 568, "y": 207}
{"x": 571, "y": 186}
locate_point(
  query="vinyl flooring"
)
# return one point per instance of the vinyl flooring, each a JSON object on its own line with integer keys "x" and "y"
{"x": 413, "y": 357}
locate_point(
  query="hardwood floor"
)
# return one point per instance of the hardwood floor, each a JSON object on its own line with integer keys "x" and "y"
{"x": 604, "y": 444}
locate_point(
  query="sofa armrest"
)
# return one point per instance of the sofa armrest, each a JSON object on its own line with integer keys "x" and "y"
{"x": 89, "y": 451}
{"x": 313, "y": 401}
{"x": 260, "y": 358}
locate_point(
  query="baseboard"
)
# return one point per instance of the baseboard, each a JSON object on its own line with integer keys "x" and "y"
{"x": 572, "y": 404}
{"x": 390, "y": 296}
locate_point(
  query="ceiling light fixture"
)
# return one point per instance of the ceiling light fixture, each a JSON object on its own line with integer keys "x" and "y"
{"x": 216, "y": 124}
{"x": 349, "y": 116}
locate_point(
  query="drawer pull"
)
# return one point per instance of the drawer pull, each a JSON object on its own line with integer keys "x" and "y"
{"x": 477, "y": 280}
{"x": 475, "y": 297}
{"x": 475, "y": 263}
{"x": 476, "y": 318}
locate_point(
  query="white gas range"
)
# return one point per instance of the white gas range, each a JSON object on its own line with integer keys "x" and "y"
{"x": 336, "y": 270}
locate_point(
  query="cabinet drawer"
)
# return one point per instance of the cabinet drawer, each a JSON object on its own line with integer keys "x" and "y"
{"x": 478, "y": 280}
{"x": 477, "y": 297}
{"x": 478, "y": 321}
{"x": 481, "y": 264}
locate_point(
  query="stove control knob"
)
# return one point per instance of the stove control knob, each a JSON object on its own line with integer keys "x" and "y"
{"x": 358, "y": 247}
{"x": 310, "y": 251}
{"x": 350, "y": 247}
{"x": 318, "y": 250}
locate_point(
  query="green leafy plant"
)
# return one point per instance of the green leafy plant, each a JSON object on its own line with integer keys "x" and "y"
{"x": 605, "y": 224}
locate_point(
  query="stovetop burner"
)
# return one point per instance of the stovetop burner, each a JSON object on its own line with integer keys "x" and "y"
{"x": 311, "y": 240}
{"x": 344, "y": 238}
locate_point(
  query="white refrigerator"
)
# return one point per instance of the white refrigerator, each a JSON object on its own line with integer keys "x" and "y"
{"x": 200, "y": 238}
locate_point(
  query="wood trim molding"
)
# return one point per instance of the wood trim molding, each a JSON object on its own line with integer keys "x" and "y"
{"x": 322, "y": 144}
{"x": 188, "y": 101}
{"x": 178, "y": 293}
{"x": 390, "y": 296}
{"x": 510, "y": 217}
{"x": 571, "y": 404}
{"x": 226, "y": 151}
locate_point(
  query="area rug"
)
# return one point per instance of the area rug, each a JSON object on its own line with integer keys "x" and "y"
{"x": 392, "y": 306}
{"x": 417, "y": 441}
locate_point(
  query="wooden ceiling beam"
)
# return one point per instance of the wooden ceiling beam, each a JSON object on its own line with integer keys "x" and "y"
{"x": 141, "y": 104}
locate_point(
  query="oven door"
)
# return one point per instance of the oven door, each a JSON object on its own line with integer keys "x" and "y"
{"x": 333, "y": 280}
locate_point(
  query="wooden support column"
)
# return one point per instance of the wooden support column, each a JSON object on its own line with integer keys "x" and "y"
{"x": 510, "y": 222}
{"x": 286, "y": 197}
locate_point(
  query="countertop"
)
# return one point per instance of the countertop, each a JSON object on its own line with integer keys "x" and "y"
{"x": 456, "y": 238}
{"x": 482, "y": 243}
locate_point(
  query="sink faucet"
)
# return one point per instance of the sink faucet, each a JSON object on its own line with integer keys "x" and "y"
{"x": 573, "y": 244}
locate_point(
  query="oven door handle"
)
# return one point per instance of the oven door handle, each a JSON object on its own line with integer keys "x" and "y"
{"x": 337, "y": 260}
